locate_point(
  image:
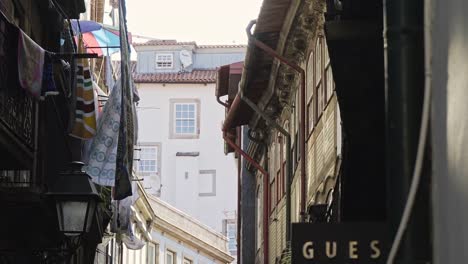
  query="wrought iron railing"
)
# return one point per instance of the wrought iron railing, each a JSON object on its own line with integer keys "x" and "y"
{"x": 17, "y": 109}
{"x": 15, "y": 179}
{"x": 17, "y": 112}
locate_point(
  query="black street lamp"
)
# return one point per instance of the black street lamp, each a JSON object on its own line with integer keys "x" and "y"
{"x": 76, "y": 200}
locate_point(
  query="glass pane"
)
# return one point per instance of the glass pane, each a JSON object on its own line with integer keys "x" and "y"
{"x": 192, "y": 114}
{"x": 185, "y": 115}
{"x": 191, "y": 107}
{"x": 318, "y": 61}
{"x": 184, "y": 107}
{"x": 169, "y": 258}
{"x": 178, "y": 107}
{"x": 310, "y": 76}
{"x": 72, "y": 215}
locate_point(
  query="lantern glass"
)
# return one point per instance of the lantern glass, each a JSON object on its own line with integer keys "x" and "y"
{"x": 75, "y": 216}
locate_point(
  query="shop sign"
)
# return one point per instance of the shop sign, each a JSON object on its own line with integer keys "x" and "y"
{"x": 339, "y": 243}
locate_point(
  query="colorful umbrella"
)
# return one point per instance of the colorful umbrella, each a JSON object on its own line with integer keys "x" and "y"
{"x": 98, "y": 38}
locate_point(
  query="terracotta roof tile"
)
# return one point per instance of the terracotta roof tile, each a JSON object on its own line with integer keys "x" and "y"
{"x": 173, "y": 42}
{"x": 196, "y": 76}
{"x": 222, "y": 46}
{"x": 164, "y": 42}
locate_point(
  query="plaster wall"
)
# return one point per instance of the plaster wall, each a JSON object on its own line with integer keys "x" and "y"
{"x": 181, "y": 192}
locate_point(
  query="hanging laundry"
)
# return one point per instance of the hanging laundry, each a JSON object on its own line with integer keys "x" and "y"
{"x": 127, "y": 124}
{"x": 30, "y": 64}
{"x": 48, "y": 83}
{"x": 101, "y": 161}
{"x": 85, "y": 115}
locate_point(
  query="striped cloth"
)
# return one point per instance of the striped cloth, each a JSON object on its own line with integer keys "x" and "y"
{"x": 85, "y": 113}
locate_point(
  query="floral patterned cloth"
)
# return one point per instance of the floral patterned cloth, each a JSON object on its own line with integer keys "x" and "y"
{"x": 101, "y": 162}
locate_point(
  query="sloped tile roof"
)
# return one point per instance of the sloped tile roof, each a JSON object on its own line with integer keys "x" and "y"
{"x": 196, "y": 76}
{"x": 221, "y": 46}
{"x": 163, "y": 42}
{"x": 173, "y": 42}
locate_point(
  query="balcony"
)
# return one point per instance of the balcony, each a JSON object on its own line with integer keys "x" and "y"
{"x": 17, "y": 111}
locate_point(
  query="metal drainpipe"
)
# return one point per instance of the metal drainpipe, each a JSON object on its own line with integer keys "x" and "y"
{"x": 266, "y": 178}
{"x": 286, "y": 134}
{"x": 404, "y": 91}
{"x": 301, "y": 71}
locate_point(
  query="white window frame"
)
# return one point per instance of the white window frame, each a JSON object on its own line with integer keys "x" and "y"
{"x": 173, "y": 133}
{"x": 164, "y": 61}
{"x": 138, "y": 157}
{"x": 232, "y": 238}
{"x": 155, "y": 248}
{"x": 174, "y": 256}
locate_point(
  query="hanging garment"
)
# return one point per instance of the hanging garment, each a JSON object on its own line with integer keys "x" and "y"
{"x": 30, "y": 64}
{"x": 127, "y": 128}
{"x": 48, "y": 83}
{"x": 85, "y": 113}
{"x": 101, "y": 162}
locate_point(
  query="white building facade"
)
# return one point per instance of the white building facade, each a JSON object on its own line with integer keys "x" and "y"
{"x": 167, "y": 236}
{"x": 180, "y": 153}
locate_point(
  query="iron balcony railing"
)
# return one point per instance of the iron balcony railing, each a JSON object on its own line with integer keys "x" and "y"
{"x": 15, "y": 179}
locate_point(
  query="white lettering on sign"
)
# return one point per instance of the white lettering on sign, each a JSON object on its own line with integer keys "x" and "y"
{"x": 375, "y": 249}
{"x": 327, "y": 249}
{"x": 353, "y": 250}
{"x": 331, "y": 249}
{"x": 308, "y": 250}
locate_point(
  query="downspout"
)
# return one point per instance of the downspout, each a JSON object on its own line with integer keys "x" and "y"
{"x": 266, "y": 186}
{"x": 405, "y": 100}
{"x": 298, "y": 69}
{"x": 239, "y": 196}
{"x": 286, "y": 134}
{"x": 266, "y": 178}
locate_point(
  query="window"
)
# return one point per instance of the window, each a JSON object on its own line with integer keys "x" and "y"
{"x": 320, "y": 97}
{"x": 147, "y": 157}
{"x": 328, "y": 75}
{"x": 187, "y": 261}
{"x": 170, "y": 257}
{"x": 207, "y": 183}
{"x": 280, "y": 175}
{"x": 152, "y": 253}
{"x": 230, "y": 231}
{"x": 259, "y": 217}
{"x": 310, "y": 92}
{"x": 148, "y": 160}
{"x": 185, "y": 118}
{"x": 272, "y": 195}
{"x": 231, "y": 235}
{"x": 164, "y": 61}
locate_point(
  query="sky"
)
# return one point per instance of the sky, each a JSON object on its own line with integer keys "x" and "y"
{"x": 202, "y": 21}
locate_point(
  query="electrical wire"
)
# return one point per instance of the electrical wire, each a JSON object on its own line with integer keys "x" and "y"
{"x": 422, "y": 136}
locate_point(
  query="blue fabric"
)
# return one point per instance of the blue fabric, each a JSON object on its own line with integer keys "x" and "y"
{"x": 85, "y": 25}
